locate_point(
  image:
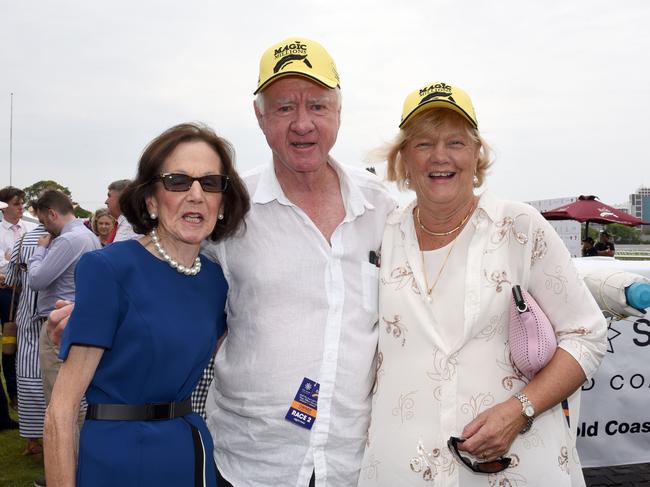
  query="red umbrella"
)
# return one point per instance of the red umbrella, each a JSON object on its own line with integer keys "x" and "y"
{"x": 588, "y": 209}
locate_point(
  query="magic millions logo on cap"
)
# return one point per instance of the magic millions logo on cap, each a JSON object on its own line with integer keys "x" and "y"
{"x": 297, "y": 57}
{"x": 438, "y": 95}
{"x": 436, "y": 91}
{"x": 296, "y": 51}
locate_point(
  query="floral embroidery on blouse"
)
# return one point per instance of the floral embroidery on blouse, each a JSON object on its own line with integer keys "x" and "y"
{"x": 477, "y": 403}
{"x": 496, "y": 279}
{"x": 396, "y": 328}
{"x": 402, "y": 276}
{"x": 444, "y": 369}
{"x": 556, "y": 282}
{"x": 507, "y": 478}
{"x": 504, "y": 230}
{"x": 539, "y": 246}
{"x": 563, "y": 459}
{"x": 495, "y": 326}
{"x": 371, "y": 469}
{"x": 431, "y": 464}
{"x": 532, "y": 439}
{"x": 509, "y": 381}
{"x": 506, "y": 364}
{"x": 405, "y": 406}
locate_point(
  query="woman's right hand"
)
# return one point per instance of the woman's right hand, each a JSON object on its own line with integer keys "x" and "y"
{"x": 492, "y": 432}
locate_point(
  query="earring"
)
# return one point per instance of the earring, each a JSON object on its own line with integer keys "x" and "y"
{"x": 407, "y": 182}
{"x": 153, "y": 216}
{"x": 475, "y": 181}
{"x": 220, "y": 216}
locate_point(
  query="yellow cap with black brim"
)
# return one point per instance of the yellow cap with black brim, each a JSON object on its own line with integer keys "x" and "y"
{"x": 297, "y": 56}
{"x": 438, "y": 95}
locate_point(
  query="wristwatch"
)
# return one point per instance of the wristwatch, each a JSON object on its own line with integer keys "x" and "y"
{"x": 527, "y": 410}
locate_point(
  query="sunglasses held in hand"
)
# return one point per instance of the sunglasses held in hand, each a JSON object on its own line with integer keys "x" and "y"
{"x": 493, "y": 466}
{"x": 212, "y": 183}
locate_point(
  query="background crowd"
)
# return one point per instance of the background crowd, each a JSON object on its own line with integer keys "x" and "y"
{"x": 31, "y": 280}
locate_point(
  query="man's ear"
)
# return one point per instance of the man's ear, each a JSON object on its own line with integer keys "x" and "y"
{"x": 259, "y": 115}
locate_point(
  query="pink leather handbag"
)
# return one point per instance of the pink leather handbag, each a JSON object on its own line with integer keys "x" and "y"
{"x": 531, "y": 335}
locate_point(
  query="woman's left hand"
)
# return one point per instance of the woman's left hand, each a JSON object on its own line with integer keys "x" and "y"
{"x": 491, "y": 433}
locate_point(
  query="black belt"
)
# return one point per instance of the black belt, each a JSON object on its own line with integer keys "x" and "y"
{"x": 139, "y": 412}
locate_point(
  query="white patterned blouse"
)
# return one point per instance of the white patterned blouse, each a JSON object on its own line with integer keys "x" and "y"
{"x": 432, "y": 381}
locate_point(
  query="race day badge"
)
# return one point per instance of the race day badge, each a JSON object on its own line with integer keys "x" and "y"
{"x": 303, "y": 408}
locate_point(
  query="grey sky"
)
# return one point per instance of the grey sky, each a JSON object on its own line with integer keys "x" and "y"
{"x": 561, "y": 89}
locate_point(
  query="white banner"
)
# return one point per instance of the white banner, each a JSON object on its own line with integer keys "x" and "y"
{"x": 614, "y": 422}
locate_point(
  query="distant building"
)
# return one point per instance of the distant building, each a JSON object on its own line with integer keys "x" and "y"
{"x": 624, "y": 207}
{"x": 640, "y": 203}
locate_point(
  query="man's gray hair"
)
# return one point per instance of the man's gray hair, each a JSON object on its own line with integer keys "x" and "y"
{"x": 119, "y": 185}
{"x": 259, "y": 100}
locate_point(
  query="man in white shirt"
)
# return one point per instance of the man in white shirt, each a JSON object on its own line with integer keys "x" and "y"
{"x": 12, "y": 228}
{"x": 123, "y": 229}
{"x": 290, "y": 402}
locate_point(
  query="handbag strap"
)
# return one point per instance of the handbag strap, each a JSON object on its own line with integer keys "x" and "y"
{"x": 15, "y": 284}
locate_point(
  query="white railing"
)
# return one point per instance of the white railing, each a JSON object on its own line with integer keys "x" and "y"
{"x": 632, "y": 254}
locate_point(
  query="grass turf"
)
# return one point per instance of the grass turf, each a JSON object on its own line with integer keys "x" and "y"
{"x": 17, "y": 470}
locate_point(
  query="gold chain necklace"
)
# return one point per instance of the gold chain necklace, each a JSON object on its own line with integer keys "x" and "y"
{"x": 441, "y": 234}
{"x": 429, "y": 290}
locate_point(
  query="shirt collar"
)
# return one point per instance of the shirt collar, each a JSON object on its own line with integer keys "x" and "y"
{"x": 269, "y": 189}
{"x": 487, "y": 206}
{"x": 70, "y": 225}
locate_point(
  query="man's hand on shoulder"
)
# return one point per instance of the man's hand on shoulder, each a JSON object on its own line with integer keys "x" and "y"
{"x": 44, "y": 241}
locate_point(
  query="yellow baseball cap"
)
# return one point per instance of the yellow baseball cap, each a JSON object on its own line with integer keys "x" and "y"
{"x": 297, "y": 56}
{"x": 438, "y": 95}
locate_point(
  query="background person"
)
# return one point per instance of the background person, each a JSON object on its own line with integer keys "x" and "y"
{"x": 145, "y": 324}
{"x": 588, "y": 249}
{"x": 31, "y": 401}
{"x": 51, "y": 271}
{"x": 449, "y": 260}
{"x": 12, "y": 228}
{"x": 605, "y": 246}
{"x": 103, "y": 224}
{"x": 123, "y": 230}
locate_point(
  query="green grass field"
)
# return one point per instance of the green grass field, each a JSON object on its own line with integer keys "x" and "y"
{"x": 17, "y": 470}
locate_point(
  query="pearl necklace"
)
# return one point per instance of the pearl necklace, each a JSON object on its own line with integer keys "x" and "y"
{"x": 188, "y": 271}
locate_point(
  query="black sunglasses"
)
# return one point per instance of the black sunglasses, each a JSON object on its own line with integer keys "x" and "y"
{"x": 213, "y": 183}
{"x": 493, "y": 466}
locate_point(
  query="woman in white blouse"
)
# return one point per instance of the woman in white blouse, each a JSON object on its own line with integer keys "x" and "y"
{"x": 444, "y": 369}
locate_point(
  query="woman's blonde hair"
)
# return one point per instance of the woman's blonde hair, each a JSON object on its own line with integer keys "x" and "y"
{"x": 421, "y": 125}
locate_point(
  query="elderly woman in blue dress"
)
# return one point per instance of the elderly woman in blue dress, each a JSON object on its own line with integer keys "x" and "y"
{"x": 147, "y": 317}
{"x": 449, "y": 406}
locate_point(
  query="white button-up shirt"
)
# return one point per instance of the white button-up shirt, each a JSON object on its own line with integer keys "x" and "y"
{"x": 124, "y": 230}
{"x": 297, "y": 307}
{"x": 7, "y": 239}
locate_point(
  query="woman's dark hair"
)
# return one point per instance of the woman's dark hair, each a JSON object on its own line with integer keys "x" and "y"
{"x": 236, "y": 202}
